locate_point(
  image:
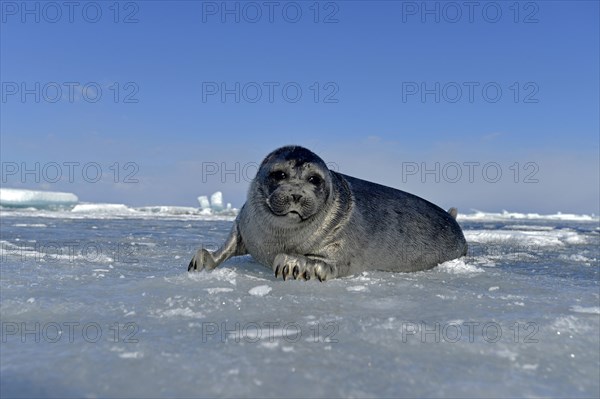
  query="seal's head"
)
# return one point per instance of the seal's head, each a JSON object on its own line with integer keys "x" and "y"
{"x": 294, "y": 183}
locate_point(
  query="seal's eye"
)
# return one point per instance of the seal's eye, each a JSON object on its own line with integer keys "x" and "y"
{"x": 278, "y": 175}
{"x": 314, "y": 179}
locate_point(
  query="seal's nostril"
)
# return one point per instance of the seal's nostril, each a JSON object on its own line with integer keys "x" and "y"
{"x": 296, "y": 197}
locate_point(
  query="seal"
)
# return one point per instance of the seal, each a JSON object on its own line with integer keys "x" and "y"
{"x": 308, "y": 222}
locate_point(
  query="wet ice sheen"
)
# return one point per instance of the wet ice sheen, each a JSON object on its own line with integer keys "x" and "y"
{"x": 518, "y": 317}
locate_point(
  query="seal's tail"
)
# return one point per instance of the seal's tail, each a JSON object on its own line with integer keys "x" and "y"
{"x": 453, "y": 212}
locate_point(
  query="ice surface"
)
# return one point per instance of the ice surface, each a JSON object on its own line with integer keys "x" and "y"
{"x": 518, "y": 317}
{"x": 10, "y": 197}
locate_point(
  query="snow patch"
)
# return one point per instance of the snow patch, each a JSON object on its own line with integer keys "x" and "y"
{"x": 260, "y": 290}
{"x": 181, "y": 312}
{"x": 102, "y": 208}
{"x": 577, "y": 258}
{"x": 533, "y": 238}
{"x": 131, "y": 355}
{"x": 29, "y": 225}
{"x": 218, "y": 290}
{"x": 357, "y": 288}
{"x": 458, "y": 266}
{"x": 588, "y": 310}
{"x": 505, "y": 215}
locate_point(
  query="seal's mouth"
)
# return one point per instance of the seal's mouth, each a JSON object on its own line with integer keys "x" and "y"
{"x": 292, "y": 215}
{"x": 295, "y": 215}
{"x": 294, "y": 208}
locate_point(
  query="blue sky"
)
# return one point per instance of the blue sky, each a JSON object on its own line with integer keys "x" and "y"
{"x": 389, "y": 90}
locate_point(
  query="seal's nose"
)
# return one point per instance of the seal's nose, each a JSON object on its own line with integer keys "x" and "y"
{"x": 296, "y": 197}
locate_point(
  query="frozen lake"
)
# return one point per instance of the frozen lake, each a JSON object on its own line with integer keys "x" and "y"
{"x": 101, "y": 304}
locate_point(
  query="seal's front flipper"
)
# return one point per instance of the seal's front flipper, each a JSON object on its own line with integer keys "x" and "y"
{"x": 453, "y": 212}
{"x": 301, "y": 267}
{"x": 204, "y": 259}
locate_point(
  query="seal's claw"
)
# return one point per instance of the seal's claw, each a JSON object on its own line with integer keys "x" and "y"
{"x": 202, "y": 260}
{"x": 320, "y": 272}
{"x": 285, "y": 272}
{"x": 301, "y": 267}
{"x": 325, "y": 271}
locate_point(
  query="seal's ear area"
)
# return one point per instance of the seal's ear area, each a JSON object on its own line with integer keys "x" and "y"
{"x": 453, "y": 212}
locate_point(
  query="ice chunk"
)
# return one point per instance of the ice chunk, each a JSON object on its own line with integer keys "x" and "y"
{"x": 216, "y": 201}
{"x": 203, "y": 200}
{"x": 215, "y": 205}
{"x": 11, "y": 197}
